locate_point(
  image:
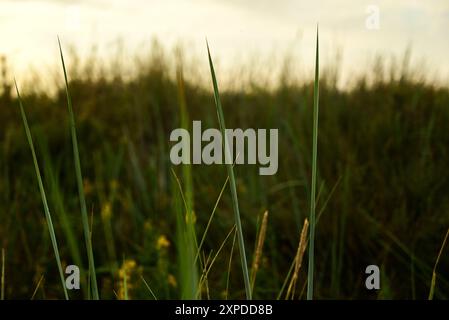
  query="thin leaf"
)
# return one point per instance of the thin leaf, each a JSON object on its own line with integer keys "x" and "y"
{"x": 79, "y": 180}
{"x": 235, "y": 203}
{"x": 51, "y": 229}
{"x": 314, "y": 174}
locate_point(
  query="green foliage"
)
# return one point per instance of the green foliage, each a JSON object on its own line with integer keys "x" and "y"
{"x": 385, "y": 138}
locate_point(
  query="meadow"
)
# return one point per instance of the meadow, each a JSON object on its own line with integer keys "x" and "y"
{"x": 159, "y": 231}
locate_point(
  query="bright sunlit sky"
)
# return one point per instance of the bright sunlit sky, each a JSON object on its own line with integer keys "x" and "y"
{"x": 237, "y": 30}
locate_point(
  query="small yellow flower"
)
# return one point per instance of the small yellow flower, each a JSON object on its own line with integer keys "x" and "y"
{"x": 130, "y": 264}
{"x": 127, "y": 269}
{"x": 106, "y": 211}
{"x": 172, "y": 280}
{"x": 162, "y": 242}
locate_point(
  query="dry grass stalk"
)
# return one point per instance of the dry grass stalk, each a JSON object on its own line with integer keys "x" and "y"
{"x": 298, "y": 260}
{"x": 259, "y": 247}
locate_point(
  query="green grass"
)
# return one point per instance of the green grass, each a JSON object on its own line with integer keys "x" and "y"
{"x": 316, "y": 95}
{"x": 48, "y": 218}
{"x": 79, "y": 180}
{"x": 232, "y": 182}
{"x": 381, "y": 180}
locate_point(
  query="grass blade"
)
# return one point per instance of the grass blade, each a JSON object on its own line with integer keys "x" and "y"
{"x": 228, "y": 275}
{"x": 51, "y": 230}
{"x": 186, "y": 224}
{"x": 203, "y": 238}
{"x": 434, "y": 272}
{"x": 79, "y": 180}
{"x": 208, "y": 265}
{"x": 187, "y": 245}
{"x": 148, "y": 287}
{"x": 235, "y": 204}
{"x": 37, "y": 287}
{"x": 314, "y": 169}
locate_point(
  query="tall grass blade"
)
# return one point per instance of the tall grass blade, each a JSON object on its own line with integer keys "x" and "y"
{"x": 314, "y": 169}
{"x": 235, "y": 204}
{"x": 51, "y": 229}
{"x": 79, "y": 180}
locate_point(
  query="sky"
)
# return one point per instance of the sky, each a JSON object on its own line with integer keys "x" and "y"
{"x": 239, "y": 31}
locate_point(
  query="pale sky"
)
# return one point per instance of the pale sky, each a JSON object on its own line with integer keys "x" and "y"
{"x": 238, "y": 31}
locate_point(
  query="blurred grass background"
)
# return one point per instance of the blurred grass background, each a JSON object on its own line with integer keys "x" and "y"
{"x": 383, "y": 180}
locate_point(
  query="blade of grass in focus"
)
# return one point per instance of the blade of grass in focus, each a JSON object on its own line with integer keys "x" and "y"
{"x": 235, "y": 204}
{"x": 79, "y": 179}
{"x": 51, "y": 229}
{"x": 314, "y": 169}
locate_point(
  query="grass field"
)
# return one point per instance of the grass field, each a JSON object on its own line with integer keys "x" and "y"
{"x": 142, "y": 228}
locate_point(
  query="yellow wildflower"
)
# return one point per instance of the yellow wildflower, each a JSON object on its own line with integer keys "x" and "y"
{"x": 106, "y": 211}
{"x": 126, "y": 270}
{"x": 162, "y": 242}
{"x": 172, "y": 280}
